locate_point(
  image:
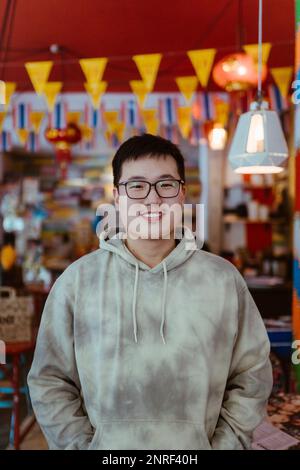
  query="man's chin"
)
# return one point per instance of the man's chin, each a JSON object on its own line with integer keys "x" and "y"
{"x": 153, "y": 233}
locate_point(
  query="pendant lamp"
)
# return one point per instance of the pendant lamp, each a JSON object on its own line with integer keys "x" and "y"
{"x": 258, "y": 145}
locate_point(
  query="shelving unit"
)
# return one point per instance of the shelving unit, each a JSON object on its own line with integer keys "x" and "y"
{"x": 248, "y": 241}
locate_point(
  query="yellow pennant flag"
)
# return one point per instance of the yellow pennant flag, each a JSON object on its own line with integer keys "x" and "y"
{"x": 140, "y": 90}
{"x": 95, "y": 91}
{"x": 36, "y": 118}
{"x": 187, "y": 86}
{"x": 252, "y": 50}
{"x": 87, "y": 132}
{"x": 148, "y": 65}
{"x": 221, "y": 112}
{"x": 2, "y": 119}
{"x": 202, "y": 61}
{"x": 50, "y": 91}
{"x": 108, "y": 136}
{"x": 22, "y": 135}
{"x": 184, "y": 120}
{"x": 39, "y": 73}
{"x": 93, "y": 69}
{"x": 111, "y": 118}
{"x": 119, "y": 130}
{"x": 73, "y": 117}
{"x": 2, "y": 93}
{"x": 282, "y": 77}
{"x": 10, "y": 88}
{"x": 150, "y": 120}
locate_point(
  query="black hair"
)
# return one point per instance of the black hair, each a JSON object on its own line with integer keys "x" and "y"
{"x": 142, "y": 145}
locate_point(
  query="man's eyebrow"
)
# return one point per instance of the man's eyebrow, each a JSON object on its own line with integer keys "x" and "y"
{"x": 137, "y": 177}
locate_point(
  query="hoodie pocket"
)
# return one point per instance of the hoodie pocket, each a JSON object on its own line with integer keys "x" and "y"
{"x": 147, "y": 434}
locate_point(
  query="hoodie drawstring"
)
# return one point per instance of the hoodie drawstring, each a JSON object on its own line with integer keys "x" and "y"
{"x": 136, "y": 280}
{"x": 164, "y": 303}
{"x": 163, "y": 307}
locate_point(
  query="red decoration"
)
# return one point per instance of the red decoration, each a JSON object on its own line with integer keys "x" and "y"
{"x": 62, "y": 139}
{"x": 237, "y": 72}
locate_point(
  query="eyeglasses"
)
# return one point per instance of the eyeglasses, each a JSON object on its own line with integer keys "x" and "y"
{"x": 141, "y": 189}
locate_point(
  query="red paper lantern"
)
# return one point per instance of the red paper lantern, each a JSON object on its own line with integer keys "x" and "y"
{"x": 237, "y": 72}
{"x": 62, "y": 139}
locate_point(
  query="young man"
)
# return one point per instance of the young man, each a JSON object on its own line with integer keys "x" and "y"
{"x": 150, "y": 343}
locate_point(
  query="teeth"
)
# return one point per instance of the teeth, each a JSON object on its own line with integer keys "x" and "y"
{"x": 152, "y": 214}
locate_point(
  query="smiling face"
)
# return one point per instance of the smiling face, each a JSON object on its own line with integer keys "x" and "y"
{"x": 153, "y": 216}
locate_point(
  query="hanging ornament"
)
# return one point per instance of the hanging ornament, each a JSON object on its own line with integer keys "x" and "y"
{"x": 258, "y": 145}
{"x": 63, "y": 139}
{"x": 237, "y": 72}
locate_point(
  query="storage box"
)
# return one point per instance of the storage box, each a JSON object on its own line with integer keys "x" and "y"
{"x": 16, "y": 314}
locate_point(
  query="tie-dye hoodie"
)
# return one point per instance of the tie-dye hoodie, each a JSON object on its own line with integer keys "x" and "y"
{"x": 133, "y": 357}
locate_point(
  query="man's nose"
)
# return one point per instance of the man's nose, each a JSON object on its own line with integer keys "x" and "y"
{"x": 153, "y": 197}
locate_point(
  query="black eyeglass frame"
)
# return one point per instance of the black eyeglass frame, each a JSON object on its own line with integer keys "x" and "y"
{"x": 125, "y": 183}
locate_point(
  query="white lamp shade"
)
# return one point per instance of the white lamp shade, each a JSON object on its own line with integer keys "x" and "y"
{"x": 258, "y": 145}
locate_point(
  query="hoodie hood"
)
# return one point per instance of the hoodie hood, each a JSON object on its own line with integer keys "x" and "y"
{"x": 181, "y": 253}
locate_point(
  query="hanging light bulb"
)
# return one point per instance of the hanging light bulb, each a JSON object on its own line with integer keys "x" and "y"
{"x": 258, "y": 145}
{"x": 217, "y": 137}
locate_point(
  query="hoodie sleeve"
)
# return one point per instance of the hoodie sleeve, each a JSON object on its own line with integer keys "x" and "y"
{"x": 53, "y": 379}
{"x": 250, "y": 379}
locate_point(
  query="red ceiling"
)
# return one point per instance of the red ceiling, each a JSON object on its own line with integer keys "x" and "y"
{"x": 118, "y": 29}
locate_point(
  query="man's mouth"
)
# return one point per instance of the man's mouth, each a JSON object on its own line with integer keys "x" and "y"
{"x": 152, "y": 215}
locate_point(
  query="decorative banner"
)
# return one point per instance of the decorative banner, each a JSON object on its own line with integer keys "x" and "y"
{"x": 2, "y": 119}
{"x": 187, "y": 86}
{"x": 36, "y": 118}
{"x": 168, "y": 111}
{"x": 95, "y": 91}
{"x": 32, "y": 145}
{"x": 252, "y": 50}
{"x": 10, "y": 88}
{"x": 2, "y": 93}
{"x": 111, "y": 119}
{"x": 276, "y": 101}
{"x": 22, "y": 120}
{"x": 184, "y": 120}
{"x": 50, "y": 91}
{"x": 148, "y": 65}
{"x": 282, "y": 77}
{"x": 39, "y": 73}
{"x": 133, "y": 114}
{"x": 140, "y": 90}
{"x": 197, "y": 107}
{"x": 202, "y": 61}
{"x": 5, "y": 141}
{"x": 150, "y": 120}
{"x": 93, "y": 69}
{"x": 22, "y": 135}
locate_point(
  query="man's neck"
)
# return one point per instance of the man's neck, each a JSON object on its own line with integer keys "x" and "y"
{"x": 150, "y": 252}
